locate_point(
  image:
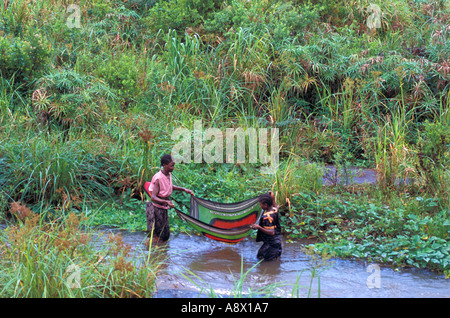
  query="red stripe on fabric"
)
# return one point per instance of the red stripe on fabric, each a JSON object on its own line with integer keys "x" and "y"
{"x": 230, "y": 224}
{"x": 222, "y": 239}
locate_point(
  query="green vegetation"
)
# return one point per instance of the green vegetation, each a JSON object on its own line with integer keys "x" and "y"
{"x": 53, "y": 259}
{"x": 88, "y": 104}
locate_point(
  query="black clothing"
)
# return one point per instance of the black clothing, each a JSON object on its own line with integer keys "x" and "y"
{"x": 158, "y": 221}
{"x": 271, "y": 248}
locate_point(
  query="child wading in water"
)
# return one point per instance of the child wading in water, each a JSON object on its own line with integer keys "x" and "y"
{"x": 269, "y": 229}
{"x": 161, "y": 187}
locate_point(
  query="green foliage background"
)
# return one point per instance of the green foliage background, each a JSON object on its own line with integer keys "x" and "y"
{"x": 75, "y": 102}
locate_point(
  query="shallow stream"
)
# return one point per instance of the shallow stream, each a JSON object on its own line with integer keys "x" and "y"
{"x": 213, "y": 268}
{"x": 217, "y": 266}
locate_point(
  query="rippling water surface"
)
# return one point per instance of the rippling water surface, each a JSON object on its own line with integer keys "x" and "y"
{"x": 217, "y": 266}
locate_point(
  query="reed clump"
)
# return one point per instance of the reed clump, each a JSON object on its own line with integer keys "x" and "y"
{"x": 60, "y": 259}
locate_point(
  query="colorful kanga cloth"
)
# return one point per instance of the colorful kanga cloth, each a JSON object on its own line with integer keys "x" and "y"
{"x": 271, "y": 248}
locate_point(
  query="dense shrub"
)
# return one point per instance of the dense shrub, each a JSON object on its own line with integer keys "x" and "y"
{"x": 433, "y": 157}
{"x": 180, "y": 14}
{"x": 121, "y": 73}
{"x": 281, "y": 19}
{"x": 68, "y": 98}
{"x": 23, "y": 58}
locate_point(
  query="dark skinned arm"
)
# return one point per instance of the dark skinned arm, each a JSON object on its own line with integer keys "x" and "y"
{"x": 183, "y": 189}
{"x": 275, "y": 205}
{"x": 265, "y": 231}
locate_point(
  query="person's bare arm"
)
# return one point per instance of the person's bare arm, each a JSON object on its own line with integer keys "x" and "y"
{"x": 183, "y": 189}
{"x": 264, "y": 230}
{"x": 275, "y": 205}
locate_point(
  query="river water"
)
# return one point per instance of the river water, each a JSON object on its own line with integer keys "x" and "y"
{"x": 350, "y": 175}
{"x": 196, "y": 266}
{"x": 200, "y": 267}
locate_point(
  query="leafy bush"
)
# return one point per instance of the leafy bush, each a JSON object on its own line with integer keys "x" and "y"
{"x": 24, "y": 58}
{"x": 121, "y": 73}
{"x": 433, "y": 156}
{"x": 332, "y": 12}
{"x": 180, "y": 14}
{"x": 281, "y": 19}
{"x": 71, "y": 99}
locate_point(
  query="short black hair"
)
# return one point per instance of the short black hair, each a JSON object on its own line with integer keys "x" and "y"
{"x": 166, "y": 159}
{"x": 266, "y": 198}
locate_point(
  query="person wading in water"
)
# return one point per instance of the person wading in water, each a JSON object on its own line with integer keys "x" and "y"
{"x": 161, "y": 188}
{"x": 269, "y": 229}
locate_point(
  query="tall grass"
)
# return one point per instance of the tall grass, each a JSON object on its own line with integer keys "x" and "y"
{"x": 294, "y": 176}
{"x": 343, "y": 106}
{"x": 392, "y": 156}
{"x": 240, "y": 75}
{"x": 58, "y": 259}
{"x": 38, "y": 167}
{"x": 10, "y": 98}
{"x": 442, "y": 114}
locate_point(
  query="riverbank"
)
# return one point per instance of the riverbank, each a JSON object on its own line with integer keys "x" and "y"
{"x": 61, "y": 259}
{"x": 190, "y": 265}
{"x": 196, "y": 266}
{"x": 218, "y": 266}
{"x": 399, "y": 230}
